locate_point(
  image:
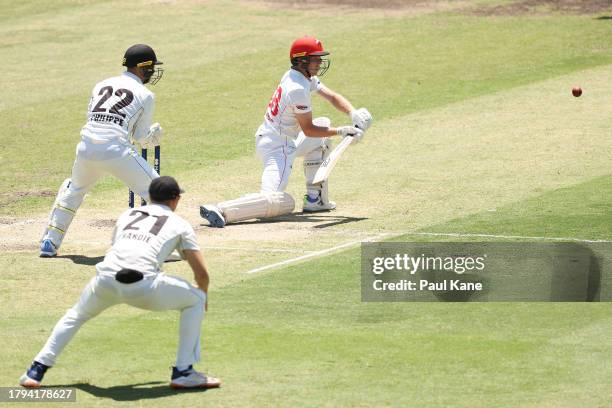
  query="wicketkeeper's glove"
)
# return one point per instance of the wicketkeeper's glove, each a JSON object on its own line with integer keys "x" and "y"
{"x": 153, "y": 137}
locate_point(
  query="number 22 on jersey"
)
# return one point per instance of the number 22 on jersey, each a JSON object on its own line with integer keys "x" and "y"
{"x": 106, "y": 92}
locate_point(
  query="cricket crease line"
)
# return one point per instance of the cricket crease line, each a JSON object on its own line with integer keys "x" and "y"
{"x": 399, "y": 233}
{"x": 460, "y": 235}
{"x": 321, "y": 252}
{"x": 291, "y": 251}
{"x": 224, "y": 248}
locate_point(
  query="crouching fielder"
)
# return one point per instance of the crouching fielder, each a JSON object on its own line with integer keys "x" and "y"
{"x": 288, "y": 131}
{"x": 120, "y": 110}
{"x": 131, "y": 274}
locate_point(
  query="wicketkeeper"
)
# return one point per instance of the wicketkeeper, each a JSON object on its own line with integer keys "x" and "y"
{"x": 288, "y": 131}
{"x": 131, "y": 273}
{"x": 120, "y": 111}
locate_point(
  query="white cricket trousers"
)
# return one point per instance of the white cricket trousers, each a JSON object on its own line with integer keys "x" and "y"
{"x": 130, "y": 168}
{"x": 92, "y": 162}
{"x": 157, "y": 293}
{"x": 277, "y": 155}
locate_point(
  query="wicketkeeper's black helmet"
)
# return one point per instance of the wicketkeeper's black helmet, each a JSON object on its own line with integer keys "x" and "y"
{"x": 143, "y": 56}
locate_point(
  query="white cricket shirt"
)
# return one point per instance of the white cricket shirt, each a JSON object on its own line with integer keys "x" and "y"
{"x": 143, "y": 239}
{"x": 290, "y": 98}
{"x": 121, "y": 107}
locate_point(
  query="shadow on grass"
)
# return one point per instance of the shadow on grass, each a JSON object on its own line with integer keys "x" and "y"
{"x": 130, "y": 392}
{"x": 325, "y": 220}
{"x": 82, "y": 259}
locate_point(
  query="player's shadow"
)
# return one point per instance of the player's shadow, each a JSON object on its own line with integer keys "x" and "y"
{"x": 604, "y": 18}
{"x": 130, "y": 392}
{"x": 82, "y": 259}
{"x": 332, "y": 220}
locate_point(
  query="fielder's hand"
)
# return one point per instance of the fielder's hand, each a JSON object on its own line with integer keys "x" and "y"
{"x": 361, "y": 118}
{"x": 350, "y": 131}
{"x": 153, "y": 137}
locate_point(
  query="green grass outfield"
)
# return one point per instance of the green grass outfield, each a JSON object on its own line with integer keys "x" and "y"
{"x": 475, "y": 132}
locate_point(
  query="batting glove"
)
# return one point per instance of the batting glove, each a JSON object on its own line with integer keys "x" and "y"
{"x": 350, "y": 131}
{"x": 361, "y": 118}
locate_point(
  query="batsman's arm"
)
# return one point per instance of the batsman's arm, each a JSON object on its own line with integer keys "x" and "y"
{"x": 338, "y": 101}
{"x": 200, "y": 273}
{"x": 312, "y": 130}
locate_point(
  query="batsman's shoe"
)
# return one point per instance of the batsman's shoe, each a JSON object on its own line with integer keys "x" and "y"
{"x": 33, "y": 377}
{"x": 47, "y": 249}
{"x": 191, "y": 378}
{"x": 316, "y": 205}
{"x": 213, "y": 215}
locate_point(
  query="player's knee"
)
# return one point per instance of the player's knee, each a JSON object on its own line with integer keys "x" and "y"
{"x": 201, "y": 301}
{"x": 71, "y": 196}
{"x": 279, "y": 203}
{"x": 77, "y": 317}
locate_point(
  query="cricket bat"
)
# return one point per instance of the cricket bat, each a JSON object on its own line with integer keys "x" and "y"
{"x": 328, "y": 165}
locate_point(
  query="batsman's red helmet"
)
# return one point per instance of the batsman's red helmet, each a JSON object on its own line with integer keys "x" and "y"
{"x": 306, "y": 47}
{"x": 303, "y": 49}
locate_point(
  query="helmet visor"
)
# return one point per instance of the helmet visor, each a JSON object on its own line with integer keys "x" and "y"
{"x": 325, "y": 64}
{"x": 153, "y": 75}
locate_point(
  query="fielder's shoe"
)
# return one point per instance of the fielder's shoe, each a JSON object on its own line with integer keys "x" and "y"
{"x": 190, "y": 378}
{"x": 316, "y": 204}
{"x": 213, "y": 215}
{"x": 33, "y": 377}
{"x": 47, "y": 249}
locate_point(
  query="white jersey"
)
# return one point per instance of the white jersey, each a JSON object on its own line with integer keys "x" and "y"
{"x": 291, "y": 97}
{"x": 143, "y": 239}
{"x": 120, "y": 109}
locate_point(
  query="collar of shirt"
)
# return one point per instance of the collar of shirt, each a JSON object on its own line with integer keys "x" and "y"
{"x": 134, "y": 77}
{"x": 165, "y": 207}
{"x": 301, "y": 78}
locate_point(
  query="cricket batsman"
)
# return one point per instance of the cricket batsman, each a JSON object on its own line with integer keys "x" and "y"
{"x": 120, "y": 111}
{"x": 289, "y": 130}
{"x": 131, "y": 273}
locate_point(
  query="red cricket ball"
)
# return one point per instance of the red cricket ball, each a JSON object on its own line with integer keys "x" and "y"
{"x": 576, "y": 91}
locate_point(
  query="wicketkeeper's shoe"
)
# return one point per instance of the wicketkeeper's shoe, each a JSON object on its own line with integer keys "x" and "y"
{"x": 190, "y": 378}
{"x": 213, "y": 215}
{"x": 316, "y": 205}
{"x": 33, "y": 377}
{"x": 47, "y": 249}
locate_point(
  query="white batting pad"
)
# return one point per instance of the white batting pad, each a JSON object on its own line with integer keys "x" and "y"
{"x": 257, "y": 205}
{"x": 66, "y": 204}
{"x": 322, "y": 121}
{"x": 313, "y": 161}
